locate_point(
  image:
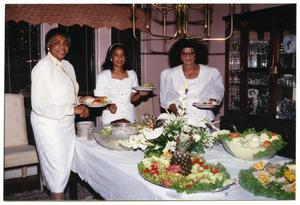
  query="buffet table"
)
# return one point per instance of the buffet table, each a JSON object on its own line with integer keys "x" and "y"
{"x": 114, "y": 174}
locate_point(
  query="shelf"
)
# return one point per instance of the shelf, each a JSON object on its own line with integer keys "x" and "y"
{"x": 234, "y": 84}
{"x": 255, "y": 86}
{"x": 258, "y": 70}
{"x": 283, "y": 71}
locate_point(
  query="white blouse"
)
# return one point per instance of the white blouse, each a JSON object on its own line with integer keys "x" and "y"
{"x": 119, "y": 93}
{"x": 52, "y": 91}
{"x": 208, "y": 84}
{"x": 164, "y": 87}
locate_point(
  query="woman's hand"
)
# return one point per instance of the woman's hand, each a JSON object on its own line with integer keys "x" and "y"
{"x": 136, "y": 96}
{"x": 82, "y": 111}
{"x": 173, "y": 109}
{"x": 143, "y": 93}
{"x": 112, "y": 108}
{"x": 120, "y": 121}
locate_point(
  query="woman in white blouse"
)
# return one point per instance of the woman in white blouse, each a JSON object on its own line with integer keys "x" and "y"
{"x": 54, "y": 105}
{"x": 116, "y": 82}
{"x": 204, "y": 83}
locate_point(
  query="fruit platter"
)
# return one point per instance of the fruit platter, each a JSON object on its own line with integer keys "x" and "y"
{"x": 253, "y": 145}
{"x": 184, "y": 173}
{"x": 270, "y": 180}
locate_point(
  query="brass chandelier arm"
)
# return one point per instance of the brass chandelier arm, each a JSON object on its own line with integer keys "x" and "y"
{"x": 221, "y": 38}
{"x": 181, "y": 11}
{"x": 159, "y": 37}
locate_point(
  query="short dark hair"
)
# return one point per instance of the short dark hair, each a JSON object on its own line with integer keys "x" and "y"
{"x": 53, "y": 32}
{"x": 201, "y": 51}
{"x": 108, "y": 63}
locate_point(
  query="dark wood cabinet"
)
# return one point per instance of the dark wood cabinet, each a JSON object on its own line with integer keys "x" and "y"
{"x": 260, "y": 75}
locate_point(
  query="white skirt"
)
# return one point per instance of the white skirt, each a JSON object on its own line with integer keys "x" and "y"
{"x": 55, "y": 146}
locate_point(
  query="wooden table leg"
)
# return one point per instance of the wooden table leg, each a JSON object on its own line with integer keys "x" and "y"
{"x": 73, "y": 191}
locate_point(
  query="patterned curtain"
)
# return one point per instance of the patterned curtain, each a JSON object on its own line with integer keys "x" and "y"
{"x": 93, "y": 15}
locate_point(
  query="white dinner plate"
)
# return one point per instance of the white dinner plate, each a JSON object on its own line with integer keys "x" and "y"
{"x": 205, "y": 105}
{"x": 89, "y": 102}
{"x": 141, "y": 88}
{"x": 96, "y": 105}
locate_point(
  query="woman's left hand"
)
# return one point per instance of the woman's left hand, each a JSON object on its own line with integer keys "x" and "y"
{"x": 82, "y": 111}
{"x": 143, "y": 93}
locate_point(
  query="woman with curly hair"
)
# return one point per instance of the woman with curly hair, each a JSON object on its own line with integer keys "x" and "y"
{"x": 204, "y": 83}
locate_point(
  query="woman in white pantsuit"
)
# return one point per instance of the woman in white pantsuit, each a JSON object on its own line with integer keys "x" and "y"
{"x": 54, "y": 104}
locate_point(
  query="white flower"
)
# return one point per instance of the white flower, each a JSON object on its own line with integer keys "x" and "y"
{"x": 171, "y": 145}
{"x": 187, "y": 128}
{"x": 152, "y": 134}
{"x": 196, "y": 123}
{"x": 135, "y": 142}
{"x": 197, "y": 137}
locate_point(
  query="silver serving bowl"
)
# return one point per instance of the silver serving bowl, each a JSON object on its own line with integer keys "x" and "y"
{"x": 108, "y": 136}
{"x": 245, "y": 153}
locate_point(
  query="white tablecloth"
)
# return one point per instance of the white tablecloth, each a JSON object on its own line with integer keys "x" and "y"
{"x": 114, "y": 174}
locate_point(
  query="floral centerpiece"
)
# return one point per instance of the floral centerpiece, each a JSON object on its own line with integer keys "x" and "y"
{"x": 177, "y": 132}
{"x": 182, "y": 134}
{"x": 178, "y": 137}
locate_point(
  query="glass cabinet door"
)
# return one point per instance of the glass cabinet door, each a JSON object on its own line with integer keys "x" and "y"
{"x": 234, "y": 73}
{"x": 258, "y": 72}
{"x": 286, "y": 77}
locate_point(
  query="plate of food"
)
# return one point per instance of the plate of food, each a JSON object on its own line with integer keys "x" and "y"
{"x": 253, "y": 145}
{"x": 270, "y": 180}
{"x": 209, "y": 104}
{"x": 202, "y": 177}
{"x": 109, "y": 136}
{"x": 147, "y": 86}
{"x": 101, "y": 101}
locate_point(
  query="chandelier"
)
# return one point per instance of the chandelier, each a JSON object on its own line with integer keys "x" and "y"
{"x": 181, "y": 22}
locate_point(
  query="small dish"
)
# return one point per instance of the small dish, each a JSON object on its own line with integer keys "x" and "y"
{"x": 141, "y": 88}
{"x": 96, "y": 102}
{"x": 205, "y": 105}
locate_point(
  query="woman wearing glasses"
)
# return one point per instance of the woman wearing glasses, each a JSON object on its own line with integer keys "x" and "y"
{"x": 204, "y": 83}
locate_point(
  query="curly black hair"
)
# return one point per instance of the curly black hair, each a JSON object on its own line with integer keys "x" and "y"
{"x": 175, "y": 52}
{"x": 108, "y": 59}
{"x": 53, "y": 32}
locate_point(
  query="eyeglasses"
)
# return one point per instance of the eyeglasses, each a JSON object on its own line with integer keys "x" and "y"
{"x": 186, "y": 53}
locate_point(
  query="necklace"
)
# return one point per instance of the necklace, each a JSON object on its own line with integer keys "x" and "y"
{"x": 59, "y": 64}
{"x": 191, "y": 73}
{"x": 119, "y": 74}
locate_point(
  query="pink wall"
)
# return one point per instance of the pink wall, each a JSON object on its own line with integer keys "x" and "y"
{"x": 154, "y": 63}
